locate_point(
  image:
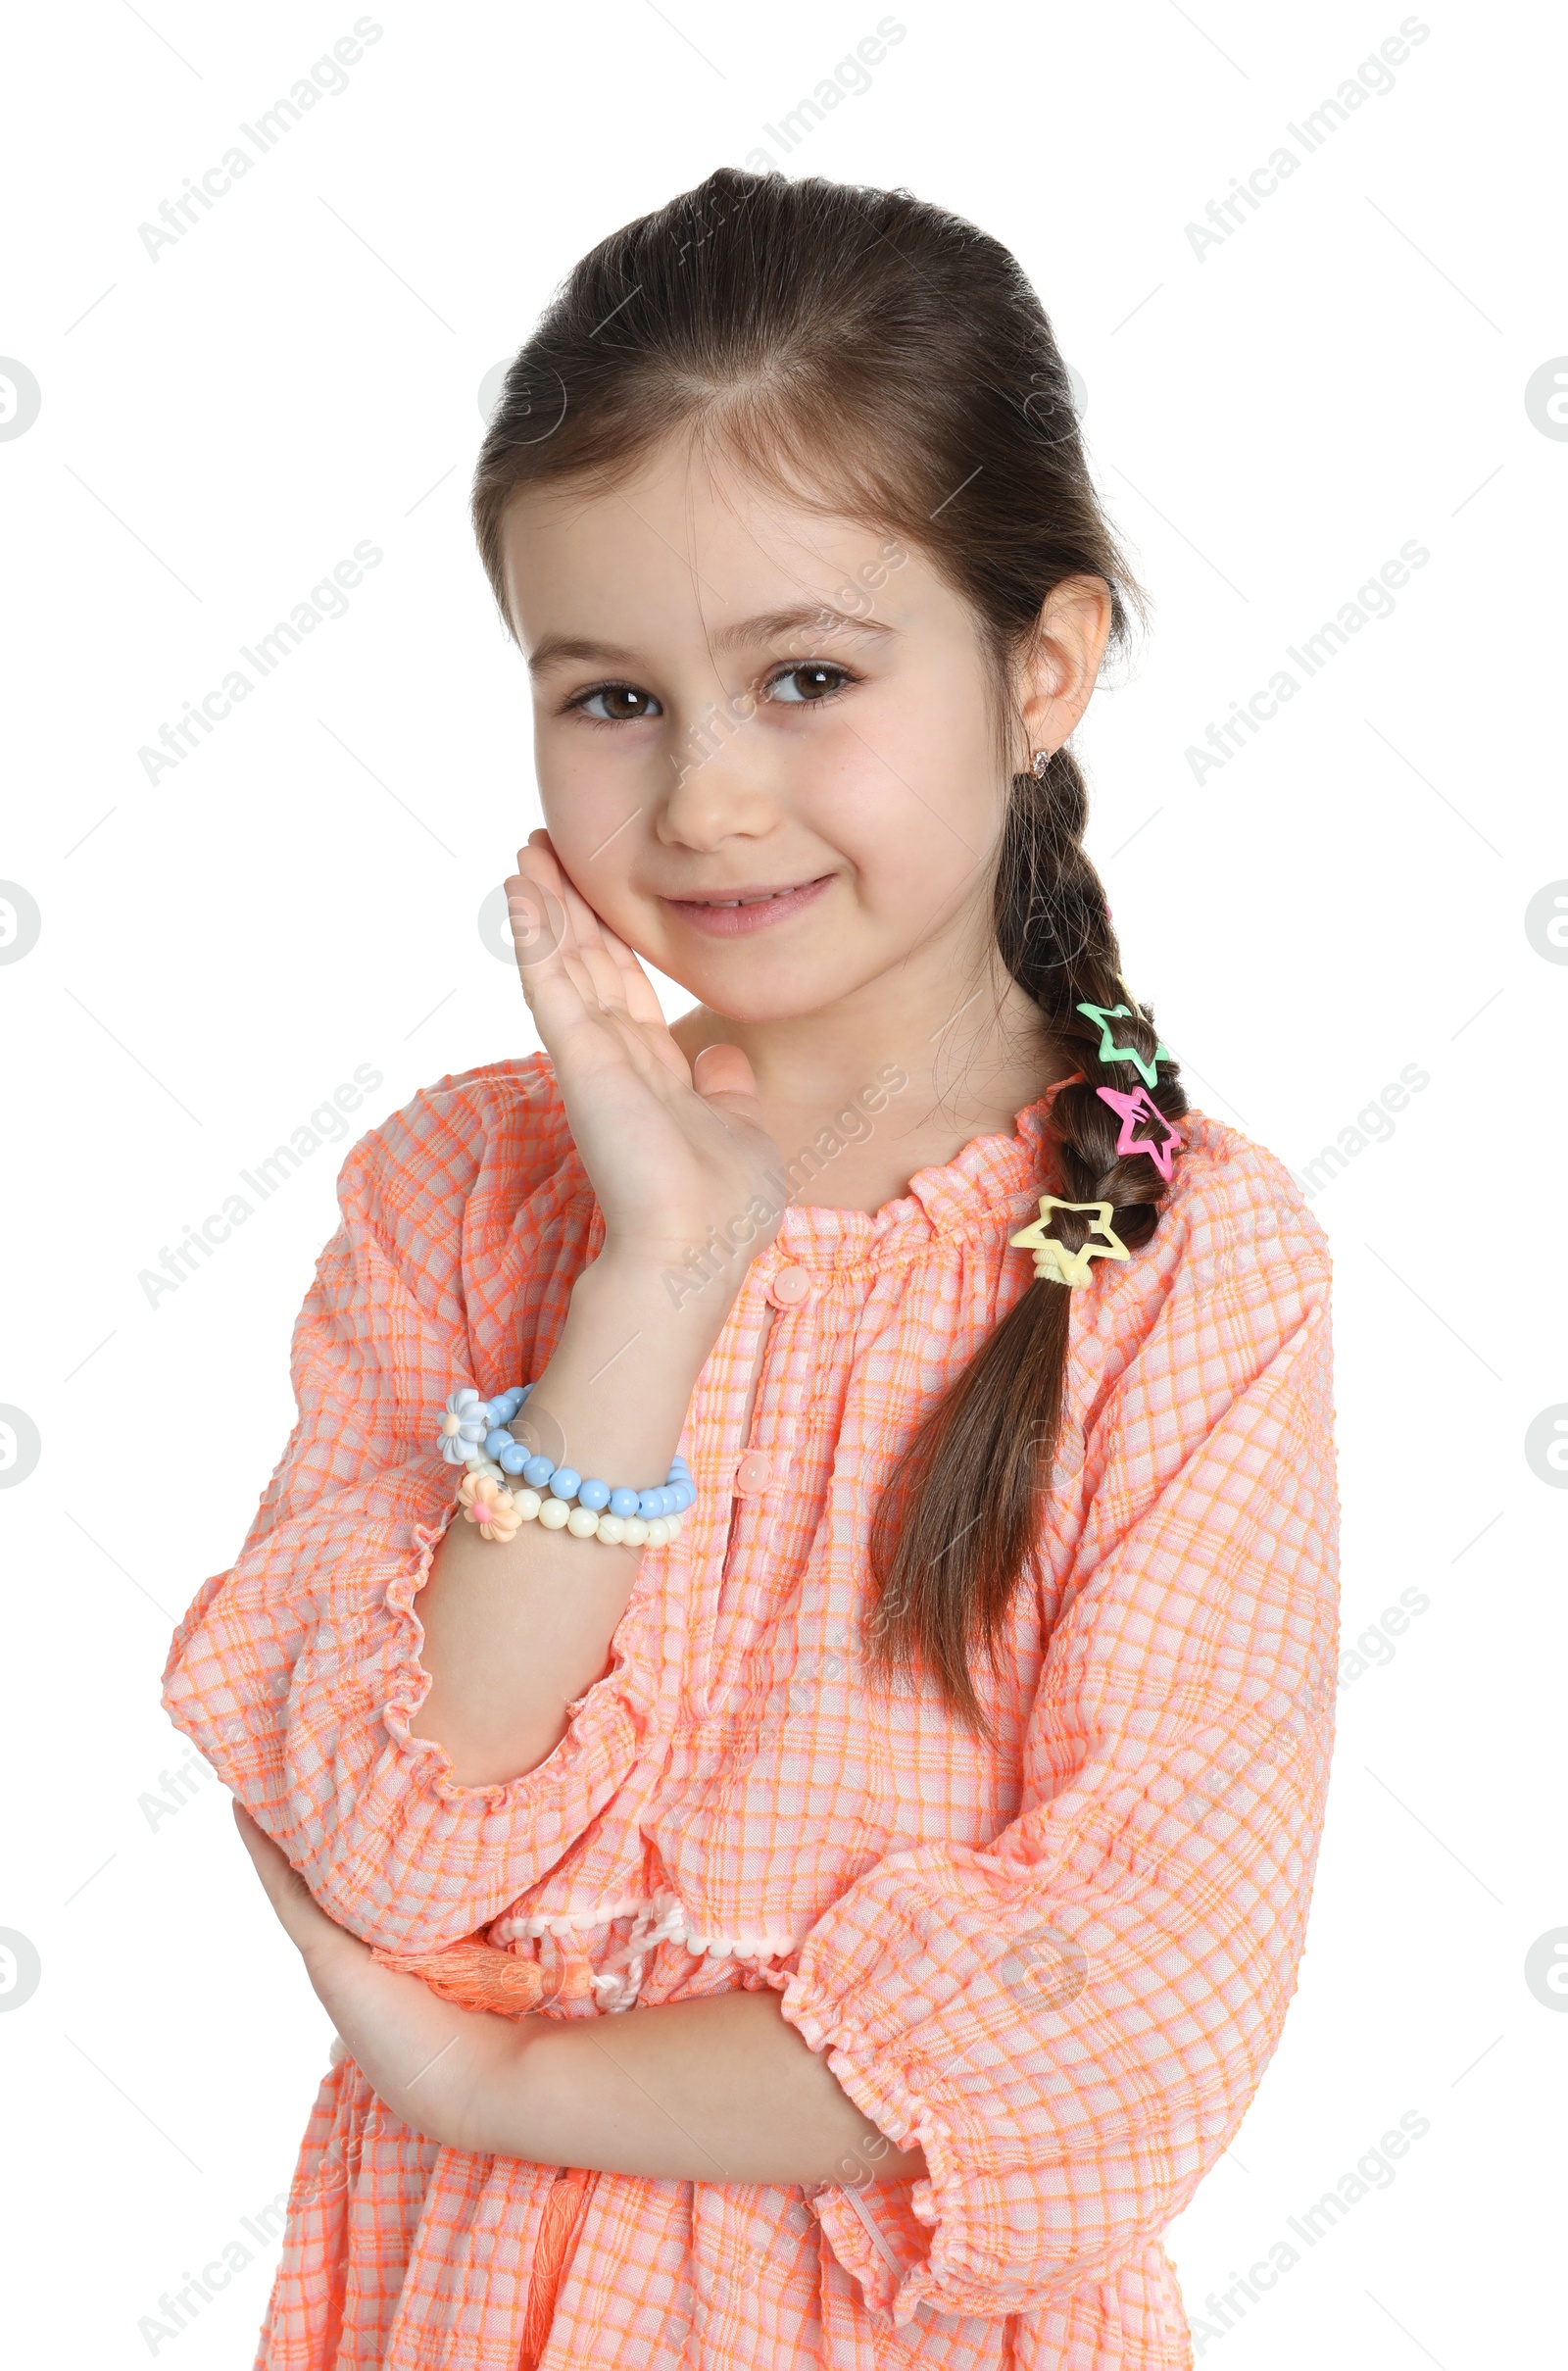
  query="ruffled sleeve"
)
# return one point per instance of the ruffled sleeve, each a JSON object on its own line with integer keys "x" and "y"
{"x": 296, "y": 1673}
{"x": 1071, "y": 2020}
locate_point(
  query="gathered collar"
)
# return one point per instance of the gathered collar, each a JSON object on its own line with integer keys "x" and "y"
{"x": 993, "y": 1183}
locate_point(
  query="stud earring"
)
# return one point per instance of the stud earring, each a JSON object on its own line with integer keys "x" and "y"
{"x": 1042, "y": 762}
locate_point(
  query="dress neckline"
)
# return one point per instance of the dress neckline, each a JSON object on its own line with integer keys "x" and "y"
{"x": 992, "y": 1182}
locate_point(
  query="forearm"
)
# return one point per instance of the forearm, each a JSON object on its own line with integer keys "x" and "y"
{"x": 515, "y": 1631}
{"x": 717, "y": 2089}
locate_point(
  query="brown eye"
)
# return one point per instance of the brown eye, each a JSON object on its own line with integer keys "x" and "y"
{"x": 619, "y": 703}
{"x": 815, "y": 679}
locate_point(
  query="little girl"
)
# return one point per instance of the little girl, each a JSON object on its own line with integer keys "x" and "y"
{"x": 783, "y": 1683}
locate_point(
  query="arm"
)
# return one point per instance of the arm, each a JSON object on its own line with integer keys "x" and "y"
{"x": 413, "y": 1821}
{"x": 1072, "y": 2019}
{"x": 297, "y": 1671}
{"x": 515, "y": 1632}
{"x": 717, "y": 2089}
{"x": 419, "y": 1798}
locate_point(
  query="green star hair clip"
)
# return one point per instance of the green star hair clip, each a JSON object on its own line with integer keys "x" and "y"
{"x": 1104, "y": 1014}
{"x": 1052, "y": 1258}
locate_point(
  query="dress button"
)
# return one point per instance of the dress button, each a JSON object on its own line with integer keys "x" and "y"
{"x": 752, "y": 1474}
{"x": 790, "y": 1286}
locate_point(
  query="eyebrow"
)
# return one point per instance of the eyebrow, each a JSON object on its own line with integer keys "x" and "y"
{"x": 557, "y": 650}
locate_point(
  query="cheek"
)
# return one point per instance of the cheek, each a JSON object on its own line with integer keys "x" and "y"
{"x": 586, "y": 811}
{"x": 914, "y": 797}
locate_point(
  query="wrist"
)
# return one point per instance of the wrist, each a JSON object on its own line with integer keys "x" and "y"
{"x": 611, "y": 1401}
{"x": 687, "y": 1304}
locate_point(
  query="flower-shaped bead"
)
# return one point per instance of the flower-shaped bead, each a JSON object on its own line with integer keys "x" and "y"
{"x": 464, "y": 1426}
{"x": 486, "y": 1504}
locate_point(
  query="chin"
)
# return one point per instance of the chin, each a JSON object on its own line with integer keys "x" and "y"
{"x": 755, "y": 1011}
{"x": 745, "y": 989}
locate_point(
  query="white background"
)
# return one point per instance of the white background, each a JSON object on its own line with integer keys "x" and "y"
{"x": 1346, "y": 897}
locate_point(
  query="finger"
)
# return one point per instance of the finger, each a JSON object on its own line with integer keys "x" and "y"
{"x": 550, "y": 917}
{"x": 608, "y": 980}
{"x": 560, "y": 928}
{"x": 546, "y": 942}
{"x": 584, "y": 969}
{"x": 592, "y": 932}
{"x": 603, "y": 970}
{"x": 642, "y": 1000}
{"x": 591, "y": 928}
{"x": 562, "y": 1000}
{"x": 535, "y": 905}
{"x": 587, "y": 928}
{"x": 537, "y": 922}
{"x": 722, "y": 1076}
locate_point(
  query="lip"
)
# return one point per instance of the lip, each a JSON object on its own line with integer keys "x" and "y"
{"x": 763, "y": 908}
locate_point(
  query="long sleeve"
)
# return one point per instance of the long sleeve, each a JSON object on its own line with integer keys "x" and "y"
{"x": 1071, "y": 2020}
{"x": 296, "y": 1673}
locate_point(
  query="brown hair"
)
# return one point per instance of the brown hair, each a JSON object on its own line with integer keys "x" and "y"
{"x": 881, "y": 359}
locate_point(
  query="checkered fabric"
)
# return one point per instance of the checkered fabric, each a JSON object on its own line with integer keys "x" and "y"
{"x": 1059, "y": 1963}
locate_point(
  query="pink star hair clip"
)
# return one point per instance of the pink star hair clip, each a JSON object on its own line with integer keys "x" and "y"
{"x": 1131, "y": 1108}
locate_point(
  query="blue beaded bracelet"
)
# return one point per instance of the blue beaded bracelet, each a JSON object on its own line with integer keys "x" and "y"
{"x": 474, "y": 1434}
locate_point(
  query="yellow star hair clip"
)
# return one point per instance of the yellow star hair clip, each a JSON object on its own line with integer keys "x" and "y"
{"x": 1052, "y": 1258}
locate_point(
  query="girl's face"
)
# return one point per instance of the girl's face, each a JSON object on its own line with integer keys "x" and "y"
{"x": 766, "y": 740}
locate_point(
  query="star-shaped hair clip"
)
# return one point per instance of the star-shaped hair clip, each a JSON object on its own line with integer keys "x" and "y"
{"x": 1104, "y": 1014}
{"x": 1052, "y": 1258}
{"x": 1131, "y": 1108}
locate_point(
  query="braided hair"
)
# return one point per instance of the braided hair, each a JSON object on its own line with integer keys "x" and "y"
{"x": 877, "y": 358}
{"x": 979, "y": 1466}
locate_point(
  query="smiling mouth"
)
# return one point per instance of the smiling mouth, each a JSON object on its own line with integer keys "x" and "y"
{"x": 748, "y": 910}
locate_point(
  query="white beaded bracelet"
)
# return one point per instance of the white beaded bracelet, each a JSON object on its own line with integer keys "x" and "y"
{"x": 501, "y": 1512}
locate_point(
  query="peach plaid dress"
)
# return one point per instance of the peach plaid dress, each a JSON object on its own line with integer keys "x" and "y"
{"x": 1060, "y": 1964}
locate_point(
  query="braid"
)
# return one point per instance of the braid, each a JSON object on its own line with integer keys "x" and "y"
{"x": 959, "y": 1520}
{"x": 1056, "y": 937}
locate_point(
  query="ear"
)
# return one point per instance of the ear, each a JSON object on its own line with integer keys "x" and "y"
{"x": 1060, "y": 666}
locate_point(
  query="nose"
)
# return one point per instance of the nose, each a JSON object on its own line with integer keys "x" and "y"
{"x": 720, "y": 780}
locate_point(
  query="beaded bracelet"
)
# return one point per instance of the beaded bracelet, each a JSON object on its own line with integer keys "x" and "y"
{"x": 474, "y": 1434}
